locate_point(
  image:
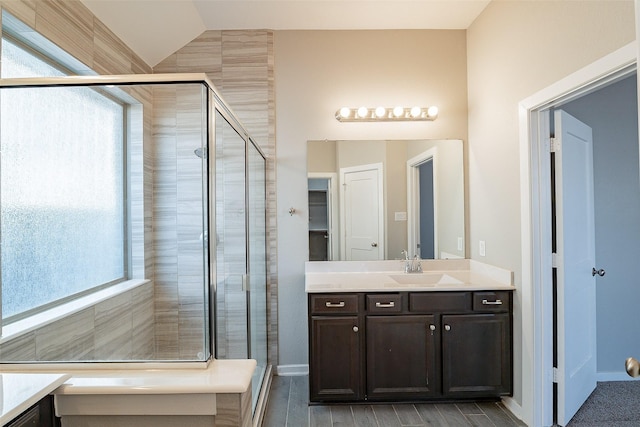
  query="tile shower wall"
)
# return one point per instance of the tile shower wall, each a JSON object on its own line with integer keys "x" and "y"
{"x": 178, "y": 221}
{"x": 128, "y": 319}
{"x": 240, "y": 64}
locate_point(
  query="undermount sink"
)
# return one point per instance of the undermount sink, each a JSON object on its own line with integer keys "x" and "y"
{"x": 425, "y": 279}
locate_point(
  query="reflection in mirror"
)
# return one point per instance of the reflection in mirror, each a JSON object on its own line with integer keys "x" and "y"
{"x": 370, "y": 200}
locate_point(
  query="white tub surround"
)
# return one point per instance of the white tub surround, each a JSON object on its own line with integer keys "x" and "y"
{"x": 219, "y": 395}
{"x": 18, "y": 392}
{"x": 374, "y": 276}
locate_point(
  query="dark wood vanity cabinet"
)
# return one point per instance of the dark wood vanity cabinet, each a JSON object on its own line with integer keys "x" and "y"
{"x": 410, "y": 346}
{"x": 401, "y": 357}
{"x": 335, "y": 341}
{"x": 476, "y": 355}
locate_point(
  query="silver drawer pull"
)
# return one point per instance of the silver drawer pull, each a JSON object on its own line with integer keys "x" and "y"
{"x": 329, "y": 304}
{"x": 386, "y": 305}
{"x": 496, "y": 302}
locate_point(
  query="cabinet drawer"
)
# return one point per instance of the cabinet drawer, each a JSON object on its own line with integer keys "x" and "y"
{"x": 491, "y": 301}
{"x": 431, "y": 302}
{"x": 384, "y": 303}
{"x": 334, "y": 303}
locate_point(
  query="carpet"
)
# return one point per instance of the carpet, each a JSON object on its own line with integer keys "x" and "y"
{"x": 612, "y": 403}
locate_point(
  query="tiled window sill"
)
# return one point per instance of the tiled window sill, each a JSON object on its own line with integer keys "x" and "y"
{"x": 24, "y": 326}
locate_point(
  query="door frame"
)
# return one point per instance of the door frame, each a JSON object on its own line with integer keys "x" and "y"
{"x": 382, "y": 229}
{"x": 413, "y": 197}
{"x": 535, "y": 189}
{"x": 334, "y": 236}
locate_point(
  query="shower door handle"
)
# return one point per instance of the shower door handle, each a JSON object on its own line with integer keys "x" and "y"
{"x": 246, "y": 283}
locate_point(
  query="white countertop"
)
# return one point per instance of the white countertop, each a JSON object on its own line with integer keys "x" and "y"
{"x": 385, "y": 276}
{"x": 18, "y": 392}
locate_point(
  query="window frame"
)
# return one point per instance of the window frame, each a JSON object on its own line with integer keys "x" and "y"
{"x": 50, "y": 59}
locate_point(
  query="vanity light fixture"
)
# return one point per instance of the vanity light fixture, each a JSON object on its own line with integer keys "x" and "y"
{"x": 383, "y": 114}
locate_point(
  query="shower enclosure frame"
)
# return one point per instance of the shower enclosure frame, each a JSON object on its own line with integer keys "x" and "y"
{"x": 214, "y": 102}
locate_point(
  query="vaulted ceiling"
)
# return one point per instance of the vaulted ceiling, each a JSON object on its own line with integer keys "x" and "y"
{"x": 154, "y": 29}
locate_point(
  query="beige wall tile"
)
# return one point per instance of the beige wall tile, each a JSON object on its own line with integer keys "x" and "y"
{"x": 69, "y": 24}
{"x": 24, "y": 10}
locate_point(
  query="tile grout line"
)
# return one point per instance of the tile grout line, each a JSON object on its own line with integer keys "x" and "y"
{"x": 286, "y": 418}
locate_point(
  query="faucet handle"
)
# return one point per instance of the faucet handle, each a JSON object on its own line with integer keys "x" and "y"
{"x": 417, "y": 261}
{"x": 406, "y": 254}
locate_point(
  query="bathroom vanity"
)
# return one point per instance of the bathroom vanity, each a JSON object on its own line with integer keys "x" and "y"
{"x": 378, "y": 334}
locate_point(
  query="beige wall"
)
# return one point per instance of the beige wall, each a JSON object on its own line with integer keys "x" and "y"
{"x": 316, "y": 73}
{"x": 514, "y": 50}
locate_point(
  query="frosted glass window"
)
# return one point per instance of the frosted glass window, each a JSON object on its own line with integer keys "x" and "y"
{"x": 62, "y": 188}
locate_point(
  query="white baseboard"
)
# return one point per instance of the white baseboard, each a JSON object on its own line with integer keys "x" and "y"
{"x": 614, "y": 376}
{"x": 513, "y": 406}
{"x": 292, "y": 370}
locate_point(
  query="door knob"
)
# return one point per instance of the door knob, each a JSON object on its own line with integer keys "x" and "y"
{"x": 374, "y": 245}
{"x": 600, "y": 272}
{"x": 632, "y": 367}
{"x": 355, "y": 329}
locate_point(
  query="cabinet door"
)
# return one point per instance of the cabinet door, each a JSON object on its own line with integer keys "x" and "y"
{"x": 401, "y": 357}
{"x": 39, "y": 415}
{"x": 476, "y": 355}
{"x": 335, "y": 351}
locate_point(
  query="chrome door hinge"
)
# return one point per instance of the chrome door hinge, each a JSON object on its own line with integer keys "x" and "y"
{"x": 554, "y": 260}
{"x": 554, "y": 145}
{"x": 246, "y": 283}
{"x": 555, "y": 375}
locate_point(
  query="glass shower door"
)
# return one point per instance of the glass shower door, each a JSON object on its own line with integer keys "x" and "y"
{"x": 257, "y": 229}
{"x": 231, "y": 243}
{"x": 241, "y": 282}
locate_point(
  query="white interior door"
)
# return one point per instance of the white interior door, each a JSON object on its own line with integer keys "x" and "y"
{"x": 575, "y": 249}
{"x": 362, "y": 212}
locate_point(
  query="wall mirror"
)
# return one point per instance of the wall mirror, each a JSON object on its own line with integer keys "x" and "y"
{"x": 369, "y": 200}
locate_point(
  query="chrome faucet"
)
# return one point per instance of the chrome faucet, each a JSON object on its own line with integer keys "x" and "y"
{"x": 411, "y": 265}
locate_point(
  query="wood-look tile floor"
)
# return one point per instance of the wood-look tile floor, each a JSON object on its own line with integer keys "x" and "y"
{"x": 288, "y": 407}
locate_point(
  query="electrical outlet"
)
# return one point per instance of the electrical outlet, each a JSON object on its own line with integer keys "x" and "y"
{"x": 400, "y": 216}
{"x": 460, "y": 243}
{"x": 482, "y": 248}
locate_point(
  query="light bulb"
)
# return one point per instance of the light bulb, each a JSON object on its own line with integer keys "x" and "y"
{"x": 380, "y": 112}
{"x": 398, "y": 111}
{"x": 432, "y": 111}
{"x": 345, "y": 112}
{"x": 415, "y": 112}
{"x": 362, "y": 112}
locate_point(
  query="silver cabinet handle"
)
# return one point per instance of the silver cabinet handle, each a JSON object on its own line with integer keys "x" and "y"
{"x": 355, "y": 329}
{"x": 496, "y": 302}
{"x": 390, "y": 304}
{"x": 447, "y": 327}
{"x": 334, "y": 305}
{"x": 432, "y": 327}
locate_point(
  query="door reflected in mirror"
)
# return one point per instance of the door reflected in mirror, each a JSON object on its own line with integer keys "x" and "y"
{"x": 369, "y": 200}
